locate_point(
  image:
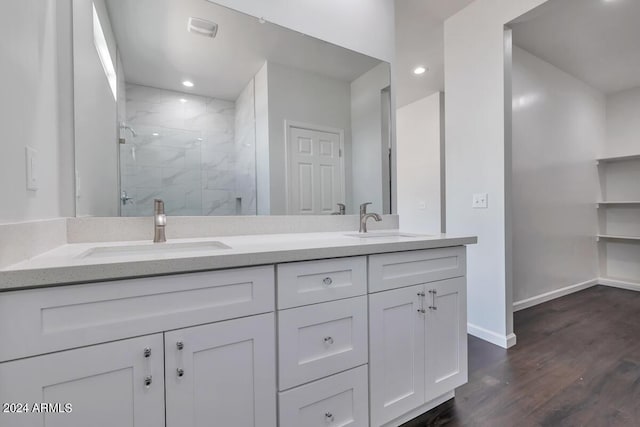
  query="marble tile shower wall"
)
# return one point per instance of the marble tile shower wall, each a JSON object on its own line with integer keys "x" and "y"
{"x": 184, "y": 153}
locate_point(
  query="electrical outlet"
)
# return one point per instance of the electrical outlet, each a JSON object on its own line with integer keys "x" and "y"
{"x": 480, "y": 201}
{"x": 32, "y": 175}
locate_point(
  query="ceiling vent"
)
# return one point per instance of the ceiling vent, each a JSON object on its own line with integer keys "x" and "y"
{"x": 202, "y": 27}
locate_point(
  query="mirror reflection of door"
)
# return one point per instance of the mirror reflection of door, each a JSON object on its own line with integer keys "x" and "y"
{"x": 315, "y": 173}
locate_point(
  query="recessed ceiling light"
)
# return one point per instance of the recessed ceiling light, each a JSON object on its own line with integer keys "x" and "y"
{"x": 419, "y": 70}
{"x": 155, "y": 134}
{"x": 187, "y": 83}
{"x": 183, "y": 100}
{"x": 199, "y": 139}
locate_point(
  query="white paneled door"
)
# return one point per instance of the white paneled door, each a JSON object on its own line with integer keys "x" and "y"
{"x": 445, "y": 336}
{"x": 222, "y": 374}
{"x": 315, "y": 171}
{"x": 115, "y": 384}
{"x": 396, "y": 353}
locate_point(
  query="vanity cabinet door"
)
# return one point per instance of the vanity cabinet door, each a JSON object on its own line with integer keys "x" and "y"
{"x": 114, "y": 384}
{"x": 446, "y": 336}
{"x": 396, "y": 357}
{"x": 222, "y": 374}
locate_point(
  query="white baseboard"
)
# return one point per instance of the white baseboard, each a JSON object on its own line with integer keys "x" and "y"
{"x": 622, "y": 284}
{"x": 504, "y": 341}
{"x": 548, "y": 296}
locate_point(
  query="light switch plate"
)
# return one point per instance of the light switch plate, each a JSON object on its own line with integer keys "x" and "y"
{"x": 32, "y": 176}
{"x": 480, "y": 201}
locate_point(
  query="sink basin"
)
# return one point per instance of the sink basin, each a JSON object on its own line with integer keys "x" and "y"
{"x": 186, "y": 248}
{"x": 383, "y": 234}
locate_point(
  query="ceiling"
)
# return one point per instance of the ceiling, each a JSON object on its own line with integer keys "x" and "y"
{"x": 420, "y": 41}
{"x": 597, "y": 41}
{"x": 157, "y": 50}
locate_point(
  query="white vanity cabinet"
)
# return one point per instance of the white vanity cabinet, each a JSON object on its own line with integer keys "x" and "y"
{"x": 227, "y": 363}
{"x": 367, "y": 340}
{"x": 417, "y": 332}
{"x": 323, "y": 343}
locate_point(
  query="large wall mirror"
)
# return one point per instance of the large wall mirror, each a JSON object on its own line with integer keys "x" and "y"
{"x": 221, "y": 113}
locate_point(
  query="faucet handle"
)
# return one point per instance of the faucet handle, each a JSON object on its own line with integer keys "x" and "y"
{"x": 363, "y": 207}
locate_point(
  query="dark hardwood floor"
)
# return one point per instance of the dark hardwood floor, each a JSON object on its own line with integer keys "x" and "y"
{"x": 576, "y": 363}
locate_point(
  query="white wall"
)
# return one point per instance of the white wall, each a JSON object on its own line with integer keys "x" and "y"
{"x": 96, "y": 121}
{"x": 366, "y": 26}
{"x": 475, "y": 156}
{"x": 367, "y": 149}
{"x": 32, "y": 111}
{"x": 420, "y": 152}
{"x": 558, "y": 131}
{"x": 623, "y": 123}
{"x": 300, "y": 96}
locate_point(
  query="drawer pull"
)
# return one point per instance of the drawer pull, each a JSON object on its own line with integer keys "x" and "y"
{"x": 147, "y": 352}
{"x": 421, "y": 294}
{"x": 327, "y": 281}
{"x": 421, "y": 310}
{"x": 328, "y": 416}
{"x": 180, "y": 345}
{"x": 328, "y": 340}
{"x": 180, "y": 372}
{"x": 147, "y": 381}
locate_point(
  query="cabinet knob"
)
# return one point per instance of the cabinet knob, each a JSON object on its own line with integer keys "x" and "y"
{"x": 328, "y": 416}
{"x": 147, "y": 381}
{"x": 328, "y": 340}
{"x": 147, "y": 352}
{"x": 421, "y": 310}
{"x": 180, "y": 345}
{"x": 180, "y": 372}
{"x": 433, "y": 307}
{"x": 421, "y": 294}
{"x": 327, "y": 281}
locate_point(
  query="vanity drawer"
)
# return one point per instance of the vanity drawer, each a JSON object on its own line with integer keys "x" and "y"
{"x": 45, "y": 320}
{"x": 321, "y": 339}
{"x": 339, "y": 400}
{"x": 310, "y": 282}
{"x": 400, "y": 269}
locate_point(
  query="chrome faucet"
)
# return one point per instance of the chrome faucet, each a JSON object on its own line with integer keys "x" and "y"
{"x": 159, "y": 221}
{"x": 364, "y": 216}
{"x": 342, "y": 209}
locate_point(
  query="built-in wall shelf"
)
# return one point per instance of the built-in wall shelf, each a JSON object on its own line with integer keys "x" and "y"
{"x": 618, "y": 237}
{"x": 618, "y": 159}
{"x": 619, "y": 203}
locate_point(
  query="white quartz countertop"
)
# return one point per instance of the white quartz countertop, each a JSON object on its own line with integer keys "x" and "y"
{"x": 68, "y": 264}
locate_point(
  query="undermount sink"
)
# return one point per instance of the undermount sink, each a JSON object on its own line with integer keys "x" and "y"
{"x": 383, "y": 234}
{"x": 194, "y": 248}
